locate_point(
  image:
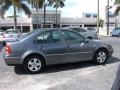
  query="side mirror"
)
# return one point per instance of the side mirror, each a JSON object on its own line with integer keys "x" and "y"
{"x": 86, "y": 40}
{"x": 4, "y": 43}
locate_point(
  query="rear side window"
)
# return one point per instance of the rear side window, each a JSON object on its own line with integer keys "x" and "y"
{"x": 48, "y": 37}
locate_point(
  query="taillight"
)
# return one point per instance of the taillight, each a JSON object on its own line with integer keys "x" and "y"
{"x": 8, "y": 50}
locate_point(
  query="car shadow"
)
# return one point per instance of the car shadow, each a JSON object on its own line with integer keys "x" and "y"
{"x": 65, "y": 67}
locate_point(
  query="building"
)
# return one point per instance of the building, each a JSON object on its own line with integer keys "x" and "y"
{"x": 50, "y": 18}
{"x": 37, "y": 21}
{"x": 9, "y": 23}
{"x": 114, "y": 21}
{"x": 89, "y": 15}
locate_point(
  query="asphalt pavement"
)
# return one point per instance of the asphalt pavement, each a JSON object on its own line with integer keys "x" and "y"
{"x": 75, "y": 76}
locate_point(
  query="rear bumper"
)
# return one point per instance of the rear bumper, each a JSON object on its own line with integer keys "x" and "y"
{"x": 12, "y": 61}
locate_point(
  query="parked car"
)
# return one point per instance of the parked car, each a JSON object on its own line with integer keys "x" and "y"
{"x": 85, "y": 32}
{"x": 54, "y": 46}
{"x": 11, "y": 35}
{"x": 116, "y": 32}
{"x": 92, "y": 29}
{"x": 116, "y": 83}
{"x": 1, "y": 35}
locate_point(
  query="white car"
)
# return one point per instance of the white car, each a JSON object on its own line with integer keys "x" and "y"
{"x": 116, "y": 32}
{"x": 85, "y": 32}
{"x": 1, "y": 35}
{"x": 11, "y": 35}
{"x": 92, "y": 29}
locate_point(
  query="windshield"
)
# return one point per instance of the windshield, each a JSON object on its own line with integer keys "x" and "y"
{"x": 91, "y": 29}
{"x": 26, "y": 35}
{"x": 11, "y": 32}
{"x": 117, "y": 29}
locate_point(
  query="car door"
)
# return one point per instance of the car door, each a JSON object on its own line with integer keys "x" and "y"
{"x": 76, "y": 48}
{"x": 51, "y": 44}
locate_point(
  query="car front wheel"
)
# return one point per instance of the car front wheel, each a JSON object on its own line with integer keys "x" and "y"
{"x": 34, "y": 64}
{"x": 101, "y": 56}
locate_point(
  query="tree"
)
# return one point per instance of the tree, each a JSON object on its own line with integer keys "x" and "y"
{"x": 101, "y": 22}
{"x": 56, "y": 4}
{"x": 117, "y": 3}
{"x": 19, "y": 4}
{"x": 38, "y": 4}
{"x": 117, "y": 10}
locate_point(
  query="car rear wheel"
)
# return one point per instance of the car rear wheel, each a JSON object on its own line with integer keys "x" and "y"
{"x": 101, "y": 56}
{"x": 34, "y": 64}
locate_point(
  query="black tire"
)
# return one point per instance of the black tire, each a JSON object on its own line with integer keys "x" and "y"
{"x": 35, "y": 62}
{"x": 101, "y": 59}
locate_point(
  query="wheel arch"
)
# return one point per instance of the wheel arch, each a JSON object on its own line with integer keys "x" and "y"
{"x": 101, "y": 48}
{"x": 34, "y": 53}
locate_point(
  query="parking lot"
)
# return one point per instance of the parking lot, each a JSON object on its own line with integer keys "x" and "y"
{"x": 75, "y": 76}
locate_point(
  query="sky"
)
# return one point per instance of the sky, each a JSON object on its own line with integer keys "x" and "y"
{"x": 75, "y": 8}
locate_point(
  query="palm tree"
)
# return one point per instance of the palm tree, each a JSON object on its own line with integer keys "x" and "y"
{"x": 56, "y": 4}
{"x": 117, "y": 10}
{"x": 117, "y": 2}
{"x": 17, "y": 4}
{"x": 38, "y": 4}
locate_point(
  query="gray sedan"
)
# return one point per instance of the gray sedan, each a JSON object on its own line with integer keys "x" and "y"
{"x": 44, "y": 47}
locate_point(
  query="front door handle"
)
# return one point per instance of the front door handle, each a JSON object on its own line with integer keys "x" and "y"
{"x": 41, "y": 47}
{"x": 68, "y": 46}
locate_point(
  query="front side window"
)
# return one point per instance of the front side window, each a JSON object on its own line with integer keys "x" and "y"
{"x": 72, "y": 37}
{"x": 48, "y": 37}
